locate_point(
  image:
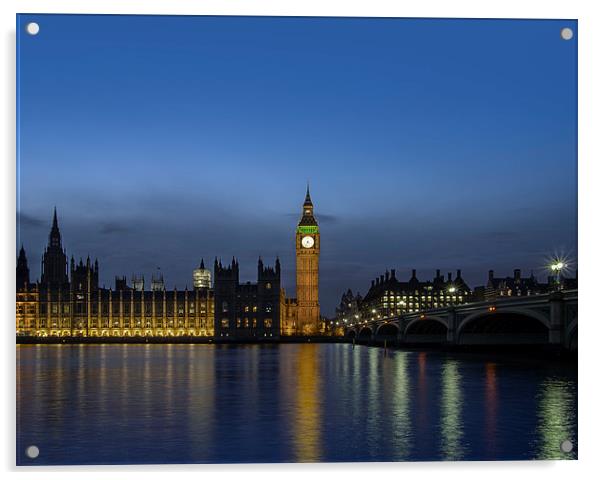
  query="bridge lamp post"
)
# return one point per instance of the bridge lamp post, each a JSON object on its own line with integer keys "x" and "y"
{"x": 557, "y": 268}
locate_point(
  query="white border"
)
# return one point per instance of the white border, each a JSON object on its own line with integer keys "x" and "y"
{"x": 590, "y": 158}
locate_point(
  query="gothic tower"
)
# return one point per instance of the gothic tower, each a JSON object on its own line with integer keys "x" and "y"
{"x": 308, "y": 253}
{"x": 22, "y": 271}
{"x": 54, "y": 263}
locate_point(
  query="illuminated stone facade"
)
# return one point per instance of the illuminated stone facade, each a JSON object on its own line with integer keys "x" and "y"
{"x": 72, "y": 304}
{"x": 68, "y": 300}
{"x": 288, "y": 315}
{"x": 388, "y": 297}
{"x": 307, "y": 247}
{"x": 27, "y": 311}
{"x": 125, "y": 313}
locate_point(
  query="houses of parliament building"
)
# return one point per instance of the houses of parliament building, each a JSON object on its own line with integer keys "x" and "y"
{"x": 68, "y": 301}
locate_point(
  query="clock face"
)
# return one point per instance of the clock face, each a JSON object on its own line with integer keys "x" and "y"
{"x": 307, "y": 242}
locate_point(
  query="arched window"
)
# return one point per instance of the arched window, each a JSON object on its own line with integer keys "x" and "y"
{"x": 224, "y": 306}
{"x": 268, "y": 307}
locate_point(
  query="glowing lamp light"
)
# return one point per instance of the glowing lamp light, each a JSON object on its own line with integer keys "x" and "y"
{"x": 492, "y": 309}
{"x": 452, "y": 289}
{"x": 557, "y": 266}
{"x": 423, "y": 316}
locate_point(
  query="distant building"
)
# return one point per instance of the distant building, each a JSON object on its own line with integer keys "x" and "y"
{"x": 138, "y": 283}
{"x": 513, "y": 286}
{"x": 22, "y": 271}
{"x": 289, "y": 321}
{"x": 75, "y": 305}
{"x": 27, "y": 298}
{"x": 201, "y": 277}
{"x": 307, "y": 249}
{"x": 247, "y": 310}
{"x": 349, "y": 308}
{"x": 157, "y": 283}
{"x": 54, "y": 260}
{"x": 517, "y": 285}
{"x": 388, "y": 297}
{"x": 70, "y": 301}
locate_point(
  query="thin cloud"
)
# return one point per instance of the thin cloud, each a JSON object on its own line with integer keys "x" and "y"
{"x": 26, "y": 220}
{"x": 111, "y": 228}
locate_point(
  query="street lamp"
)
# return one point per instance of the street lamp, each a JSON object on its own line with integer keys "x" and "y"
{"x": 557, "y": 266}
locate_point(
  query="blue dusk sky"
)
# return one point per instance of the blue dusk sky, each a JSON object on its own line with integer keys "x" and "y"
{"x": 428, "y": 144}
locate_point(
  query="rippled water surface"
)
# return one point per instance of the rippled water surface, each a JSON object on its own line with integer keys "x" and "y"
{"x": 99, "y": 404}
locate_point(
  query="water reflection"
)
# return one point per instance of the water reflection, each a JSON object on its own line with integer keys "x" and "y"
{"x": 307, "y": 414}
{"x": 372, "y": 408}
{"x": 557, "y": 418}
{"x": 421, "y": 413}
{"x": 400, "y": 412}
{"x": 451, "y": 411}
{"x": 202, "y": 403}
{"x": 491, "y": 409}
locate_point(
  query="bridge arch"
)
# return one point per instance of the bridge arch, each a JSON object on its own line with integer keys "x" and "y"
{"x": 431, "y": 329}
{"x": 504, "y": 326}
{"x": 365, "y": 333}
{"x": 351, "y": 334}
{"x": 426, "y": 323}
{"x": 390, "y": 329}
{"x": 506, "y": 311}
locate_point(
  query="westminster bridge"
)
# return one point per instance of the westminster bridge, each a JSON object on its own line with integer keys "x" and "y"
{"x": 548, "y": 319}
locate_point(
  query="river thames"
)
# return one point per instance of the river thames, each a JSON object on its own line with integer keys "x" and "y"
{"x": 121, "y": 404}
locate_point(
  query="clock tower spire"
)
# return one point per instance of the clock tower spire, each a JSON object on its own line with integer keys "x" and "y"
{"x": 307, "y": 249}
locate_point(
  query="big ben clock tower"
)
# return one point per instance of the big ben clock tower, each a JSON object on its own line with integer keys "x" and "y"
{"x": 308, "y": 254}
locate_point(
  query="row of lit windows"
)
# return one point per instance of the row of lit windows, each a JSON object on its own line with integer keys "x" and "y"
{"x": 125, "y": 319}
{"x": 125, "y": 333}
{"x": 423, "y": 302}
{"x": 106, "y": 324}
{"x": 25, "y": 297}
{"x": 423, "y": 297}
{"x": 81, "y": 309}
{"x": 22, "y": 309}
{"x": 246, "y": 308}
{"x": 246, "y": 323}
{"x": 509, "y": 293}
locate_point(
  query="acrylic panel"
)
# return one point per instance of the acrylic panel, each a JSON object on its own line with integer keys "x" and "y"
{"x": 287, "y": 239}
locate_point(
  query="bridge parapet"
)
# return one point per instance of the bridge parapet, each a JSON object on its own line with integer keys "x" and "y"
{"x": 555, "y": 312}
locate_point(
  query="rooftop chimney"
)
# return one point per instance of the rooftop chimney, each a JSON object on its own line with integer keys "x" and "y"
{"x": 490, "y": 274}
{"x": 449, "y": 279}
